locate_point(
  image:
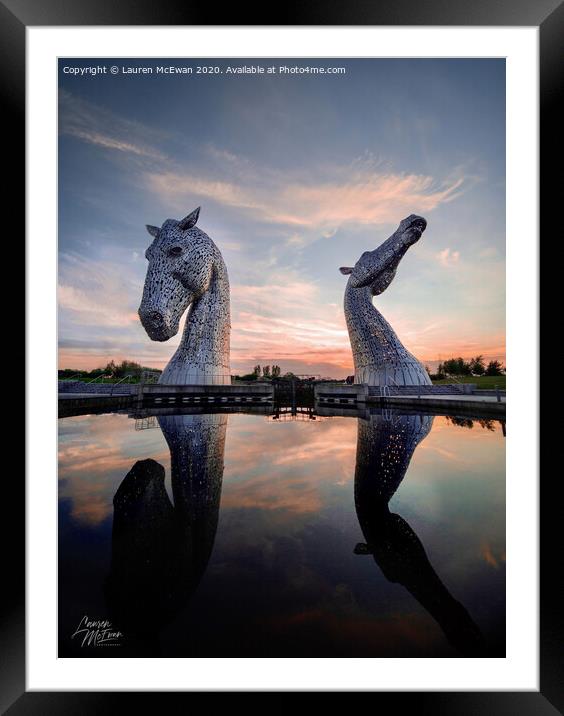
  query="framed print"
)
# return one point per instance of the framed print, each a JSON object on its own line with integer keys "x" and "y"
{"x": 274, "y": 268}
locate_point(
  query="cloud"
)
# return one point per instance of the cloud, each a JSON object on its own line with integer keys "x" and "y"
{"x": 271, "y": 482}
{"x": 92, "y": 124}
{"x": 296, "y": 241}
{"x": 364, "y": 192}
{"x": 448, "y": 258}
{"x": 92, "y": 467}
{"x": 361, "y": 196}
{"x": 96, "y": 293}
{"x": 283, "y": 323}
{"x": 94, "y": 308}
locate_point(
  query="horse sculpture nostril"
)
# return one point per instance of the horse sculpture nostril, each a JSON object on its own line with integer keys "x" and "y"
{"x": 153, "y": 318}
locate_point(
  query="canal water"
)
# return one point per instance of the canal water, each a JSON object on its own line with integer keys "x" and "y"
{"x": 287, "y": 535}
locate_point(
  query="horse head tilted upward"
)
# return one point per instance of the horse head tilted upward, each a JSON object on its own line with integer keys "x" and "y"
{"x": 186, "y": 271}
{"x": 379, "y": 356}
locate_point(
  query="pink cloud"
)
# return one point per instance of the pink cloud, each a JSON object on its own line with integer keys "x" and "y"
{"x": 362, "y": 196}
{"x": 448, "y": 257}
{"x": 97, "y": 293}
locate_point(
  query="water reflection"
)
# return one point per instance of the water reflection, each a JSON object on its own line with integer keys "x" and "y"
{"x": 385, "y": 446}
{"x": 159, "y": 550}
{"x": 280, "y": 577}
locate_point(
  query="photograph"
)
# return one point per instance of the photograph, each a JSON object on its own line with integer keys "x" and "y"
{"x": 281, "y": 326}
{"x": 276, "y": 278}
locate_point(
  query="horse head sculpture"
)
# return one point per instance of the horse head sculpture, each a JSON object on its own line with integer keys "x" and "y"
{"x": 379, "y": 356}
{"x": 186, "y": 271}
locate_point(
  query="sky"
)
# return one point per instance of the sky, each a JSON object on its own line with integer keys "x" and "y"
{"x": 297, "y": 175}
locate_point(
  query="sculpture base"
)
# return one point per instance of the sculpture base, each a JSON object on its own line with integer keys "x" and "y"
{"x": 191, "y": 375}
{"x": 405, "y": 373}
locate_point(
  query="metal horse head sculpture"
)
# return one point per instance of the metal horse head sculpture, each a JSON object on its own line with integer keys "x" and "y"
{"x": 187, "y": 272}
{"x": 379, "y": 356}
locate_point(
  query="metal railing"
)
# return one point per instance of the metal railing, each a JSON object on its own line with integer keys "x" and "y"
{"x": 127, "y": 377}
{"x": 96, "y": 378}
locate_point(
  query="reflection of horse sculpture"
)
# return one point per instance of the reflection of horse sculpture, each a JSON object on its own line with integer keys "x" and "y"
{"x": 160, "y": 551}
{"x": 384, "y": 450}
{"x": 379, "y": 356}
{"x": 186, "y": 270}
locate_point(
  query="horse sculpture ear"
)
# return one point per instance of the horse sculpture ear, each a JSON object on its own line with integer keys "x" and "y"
{"x": 153, "y": 230}
{"x": 189, "y": 221}
{"x": 346, "y": 270}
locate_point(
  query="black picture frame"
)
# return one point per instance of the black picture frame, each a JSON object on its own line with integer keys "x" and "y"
{"x": 15, "y": 16}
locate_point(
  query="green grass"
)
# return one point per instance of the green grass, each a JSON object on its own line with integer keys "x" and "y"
{"x": 487, "y": 382}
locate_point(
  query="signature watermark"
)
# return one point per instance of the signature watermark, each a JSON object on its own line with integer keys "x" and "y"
{"x": 97, "y": 632}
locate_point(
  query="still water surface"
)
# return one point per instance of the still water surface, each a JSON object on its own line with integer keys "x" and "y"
{"x": 241, "y": 535}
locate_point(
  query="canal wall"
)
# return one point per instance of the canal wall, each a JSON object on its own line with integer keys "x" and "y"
{"x": 78, "y": 386}
{"x": 446, "y": 399}
{"x": 166, "y": 395}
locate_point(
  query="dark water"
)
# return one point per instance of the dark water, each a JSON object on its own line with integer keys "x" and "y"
{"x": 242, "y": 535}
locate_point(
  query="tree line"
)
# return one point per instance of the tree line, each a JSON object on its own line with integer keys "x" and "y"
{"x": 111, "y": 370}
{"x": 472, "y": 366}
{"x": 266, "y": 371}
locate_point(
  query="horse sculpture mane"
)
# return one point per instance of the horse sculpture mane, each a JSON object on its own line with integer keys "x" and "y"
{"x": 186, "y": 272}
{"x": 379, "y": 356}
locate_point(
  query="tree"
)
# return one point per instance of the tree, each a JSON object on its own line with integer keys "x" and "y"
{"x": 495, "y": 368}
{"x": 456, "y": 366}
{"x": 111, "y": 368}
{"x": 477, "y": 366}
{"x": 128, "y": 367}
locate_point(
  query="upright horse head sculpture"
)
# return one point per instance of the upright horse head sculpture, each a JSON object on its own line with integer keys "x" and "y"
{"x": 186, "y": 271}
{"x": 379, "y": 356}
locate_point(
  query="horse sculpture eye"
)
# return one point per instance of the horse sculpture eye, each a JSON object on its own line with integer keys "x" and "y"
{"x": 175, "y": 251}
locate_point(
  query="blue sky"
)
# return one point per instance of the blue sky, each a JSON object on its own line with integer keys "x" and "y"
{"x": 296, "y": 175}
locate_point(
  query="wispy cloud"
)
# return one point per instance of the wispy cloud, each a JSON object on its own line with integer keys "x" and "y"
{"x": 289, "y": 322}
{"x": 96, "y": 293}
{"x": 363, "y": 197}
{"x": 90, "y": 123}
